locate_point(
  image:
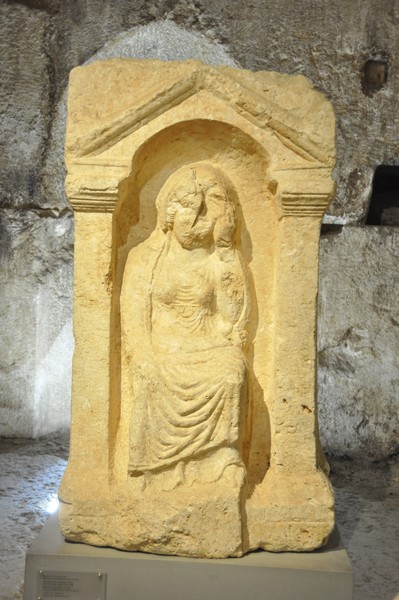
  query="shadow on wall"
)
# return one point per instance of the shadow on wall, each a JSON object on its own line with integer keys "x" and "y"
{"x": 384, "y": 201}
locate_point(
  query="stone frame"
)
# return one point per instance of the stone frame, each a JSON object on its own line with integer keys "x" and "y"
{"x": 292, "y": 507}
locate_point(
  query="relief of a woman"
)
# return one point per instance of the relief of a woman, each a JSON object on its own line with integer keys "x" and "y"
{"x": 184, "y": 309}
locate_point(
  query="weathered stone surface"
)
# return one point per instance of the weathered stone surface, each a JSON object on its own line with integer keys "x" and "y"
{"x": 198, "y": 194}
{"x": 36, "y": 238}
{"x": 24, "y": 101}
{"x": 358, "y": 344}
{"x": 328, "y": 42}
{"x": 164, "y": 40}
{"x": 37, "y": 342}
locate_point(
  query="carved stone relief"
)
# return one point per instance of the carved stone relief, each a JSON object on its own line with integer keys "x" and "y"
{"x": 198, "y": 203}
{"x": 184, "y": 309}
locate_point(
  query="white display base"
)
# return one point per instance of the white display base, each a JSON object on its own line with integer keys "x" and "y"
{"x": 60, "y": 570}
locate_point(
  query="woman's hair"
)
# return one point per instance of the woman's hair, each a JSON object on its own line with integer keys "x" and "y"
{"x": 189, "y": 179}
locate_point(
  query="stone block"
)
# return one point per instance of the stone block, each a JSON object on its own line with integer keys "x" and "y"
{"x": 198, "y": 194}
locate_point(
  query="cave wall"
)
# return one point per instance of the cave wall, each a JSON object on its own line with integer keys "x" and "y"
{"x": 349, "y": 50}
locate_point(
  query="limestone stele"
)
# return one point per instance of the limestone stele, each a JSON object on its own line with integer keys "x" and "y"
{"x": 198, "y": 194}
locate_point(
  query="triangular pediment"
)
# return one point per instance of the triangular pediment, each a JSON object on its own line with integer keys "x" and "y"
{"x": 295, "y": 127}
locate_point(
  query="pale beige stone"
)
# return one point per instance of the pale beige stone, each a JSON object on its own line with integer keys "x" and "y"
{"x": 198, "y": 195}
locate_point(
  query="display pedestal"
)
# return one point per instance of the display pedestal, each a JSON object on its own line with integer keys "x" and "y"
{"x": 60, "y": 570}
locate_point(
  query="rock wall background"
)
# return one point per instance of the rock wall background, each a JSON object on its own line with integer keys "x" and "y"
{"x": 329, "y": 42}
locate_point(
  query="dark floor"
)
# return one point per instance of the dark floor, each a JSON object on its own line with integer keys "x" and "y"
{"x": 367, "y": 509}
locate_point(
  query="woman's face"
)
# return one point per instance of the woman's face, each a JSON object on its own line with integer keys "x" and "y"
{"x": 198, "y": 208}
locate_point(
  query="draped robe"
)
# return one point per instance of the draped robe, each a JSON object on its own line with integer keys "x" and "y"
{"x": 188, "y": 380}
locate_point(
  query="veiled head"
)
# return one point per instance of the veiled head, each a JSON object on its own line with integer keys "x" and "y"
{"x": 196, "y": 203}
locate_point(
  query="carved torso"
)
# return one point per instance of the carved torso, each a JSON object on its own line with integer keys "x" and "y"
{"x": 183, "y": 299}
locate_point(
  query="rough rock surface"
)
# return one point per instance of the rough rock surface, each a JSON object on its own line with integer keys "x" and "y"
{"x": 328, "y": 42}
{"x": 35, "y": 312}
{"x": 359, "y": 341}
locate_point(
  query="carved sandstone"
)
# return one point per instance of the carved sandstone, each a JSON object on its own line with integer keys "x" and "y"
{"x": 198, "y": 195}
{"x": 184, "y": 308}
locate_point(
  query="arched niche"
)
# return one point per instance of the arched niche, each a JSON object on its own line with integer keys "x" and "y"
{"x": 245, "y": 162}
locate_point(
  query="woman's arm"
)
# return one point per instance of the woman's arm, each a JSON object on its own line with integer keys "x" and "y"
{"x": 232, "y": 296}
